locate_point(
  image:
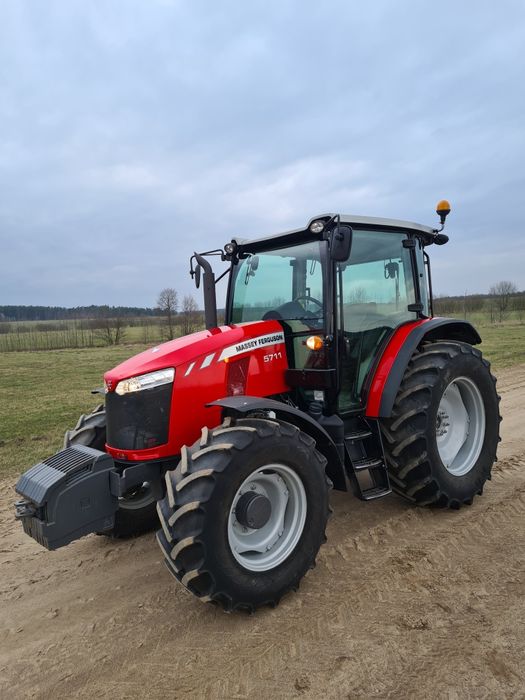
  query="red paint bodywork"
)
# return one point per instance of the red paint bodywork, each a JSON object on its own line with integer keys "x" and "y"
{"x": 194, "y": 387}
{"x": 385, "y": 365}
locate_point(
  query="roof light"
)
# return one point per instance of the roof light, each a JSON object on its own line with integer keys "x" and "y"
{"x": 317, "y": 226}
{"x": 443, "y": 210}
{"x": 230, "y": 248}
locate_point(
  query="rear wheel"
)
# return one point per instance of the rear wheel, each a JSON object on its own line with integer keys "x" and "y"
{"x": 245, "y": 513}
{"x": 136, "y": 511}
{"x": 441, "y": 440}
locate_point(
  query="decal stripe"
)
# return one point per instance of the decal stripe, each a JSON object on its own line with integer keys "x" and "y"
{"x": 189, "y": 369}
{"x": 207, "y": 360}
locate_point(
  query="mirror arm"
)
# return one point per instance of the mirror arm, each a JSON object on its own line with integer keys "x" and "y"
{"x": 223, "y": 275}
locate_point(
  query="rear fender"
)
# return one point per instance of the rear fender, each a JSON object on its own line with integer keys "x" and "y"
{"x": 394, "y": 360}
{"x": 244, "y": 405}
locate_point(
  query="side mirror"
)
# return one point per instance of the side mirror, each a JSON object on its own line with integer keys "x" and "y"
{"x": 198, "y": 276}
{"x": 341, "y": 243}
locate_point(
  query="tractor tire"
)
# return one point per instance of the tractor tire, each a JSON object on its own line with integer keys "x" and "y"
{"x": 441, "y": 440}
{"x": 244, "y": 513}
{"x": 136, "y": 513}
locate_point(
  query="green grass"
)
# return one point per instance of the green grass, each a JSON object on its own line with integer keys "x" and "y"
{"x": 33, "y": 335}
{"x": 503, "y": 345}
{"x": 43, "y": 393}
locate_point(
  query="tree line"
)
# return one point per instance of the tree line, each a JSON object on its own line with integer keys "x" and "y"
{"x": 502, "y": 299}
{"x": 19, "y": 312}
{"x": 46, "y": 328}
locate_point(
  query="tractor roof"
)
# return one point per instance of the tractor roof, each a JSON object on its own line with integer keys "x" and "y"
{"x": 296, "y": 236}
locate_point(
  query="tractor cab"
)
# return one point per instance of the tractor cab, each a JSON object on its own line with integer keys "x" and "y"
{"x": 337, "y": 313}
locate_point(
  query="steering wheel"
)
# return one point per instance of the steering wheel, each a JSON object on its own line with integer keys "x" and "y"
{"x": 307, "y": 299}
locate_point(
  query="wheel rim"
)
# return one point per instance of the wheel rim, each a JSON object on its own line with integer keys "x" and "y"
{"x": 460, "y": 426}
{"x": 264, "y": 548}
{"x": 137, "y": 497}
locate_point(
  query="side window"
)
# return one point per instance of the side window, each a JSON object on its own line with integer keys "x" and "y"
{"x": 375, "y": 289}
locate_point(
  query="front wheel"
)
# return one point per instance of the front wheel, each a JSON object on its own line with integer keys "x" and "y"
{"x": 245, "y": 513}
{"x": 441, "y": 440}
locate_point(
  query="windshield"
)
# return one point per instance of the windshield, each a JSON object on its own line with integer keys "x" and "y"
{"x": 286, "y": 284}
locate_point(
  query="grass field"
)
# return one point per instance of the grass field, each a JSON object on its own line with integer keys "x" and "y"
{"x": 34, "y": 335}
{"x": 503, "y": 345}
{"x": 43, "y": 393}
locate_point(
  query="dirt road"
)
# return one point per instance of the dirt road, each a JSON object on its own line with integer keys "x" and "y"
{"x": 403, "y": 603}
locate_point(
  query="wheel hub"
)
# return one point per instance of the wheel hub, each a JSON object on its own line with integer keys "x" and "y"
{"x": 267, "y": 517}
{"x": 253, "y": 510}
{"x": 442, "y": 423}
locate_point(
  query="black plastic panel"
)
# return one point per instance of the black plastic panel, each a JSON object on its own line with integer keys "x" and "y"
{"x": 67, "y": 496}
{"x": 140, "y": 420}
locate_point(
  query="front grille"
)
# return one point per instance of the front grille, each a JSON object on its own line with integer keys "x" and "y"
{"x": 140, "y": 420}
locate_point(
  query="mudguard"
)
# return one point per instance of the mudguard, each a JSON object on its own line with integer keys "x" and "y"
{"x": 394, "y": 360}
{"x": 332, "y": 450}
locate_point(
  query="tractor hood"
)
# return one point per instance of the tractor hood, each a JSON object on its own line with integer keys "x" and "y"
{"x": 155, "y": 423}
{"x": 181, "y": 352}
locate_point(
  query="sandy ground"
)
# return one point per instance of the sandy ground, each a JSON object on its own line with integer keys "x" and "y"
{"x": 403, "y": 603}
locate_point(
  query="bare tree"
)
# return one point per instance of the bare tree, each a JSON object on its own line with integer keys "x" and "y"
{"x": 189, "y": 314}
{"x": 357, "y": 295}
{"x": 501, "y": 294}
{"x": 110, "y": 329}
{"x": 168, "y": 303}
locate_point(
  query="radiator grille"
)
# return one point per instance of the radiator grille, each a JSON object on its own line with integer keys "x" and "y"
{"x": 140, "y": 420}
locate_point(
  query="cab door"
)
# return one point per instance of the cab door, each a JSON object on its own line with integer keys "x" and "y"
{"x": 375, "y": 291}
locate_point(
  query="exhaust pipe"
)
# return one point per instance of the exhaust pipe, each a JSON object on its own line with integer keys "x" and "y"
{"x": 210, "y": 299}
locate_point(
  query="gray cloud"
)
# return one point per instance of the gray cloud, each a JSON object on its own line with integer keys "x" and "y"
{"x": 132, "y": 133}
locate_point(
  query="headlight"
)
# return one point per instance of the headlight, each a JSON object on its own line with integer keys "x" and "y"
{"x": 145, "y": 381}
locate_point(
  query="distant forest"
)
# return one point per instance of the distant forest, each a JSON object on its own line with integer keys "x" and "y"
{"x": 61, "y": 313}
{"x": 502, "y": 300}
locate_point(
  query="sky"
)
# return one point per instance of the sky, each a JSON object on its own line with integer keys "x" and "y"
{"x": 133, "y": 133}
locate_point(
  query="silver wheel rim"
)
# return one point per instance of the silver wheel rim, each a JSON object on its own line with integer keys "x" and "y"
{"x": 265, "y": 548}
{"x": 138, "y": 497}
{"x": 460, "y": 426}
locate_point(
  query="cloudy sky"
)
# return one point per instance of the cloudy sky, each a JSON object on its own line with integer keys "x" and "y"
{"x": 133, "y": 132}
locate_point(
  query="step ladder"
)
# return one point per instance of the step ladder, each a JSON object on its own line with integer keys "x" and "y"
{"x": 365, "y": 462}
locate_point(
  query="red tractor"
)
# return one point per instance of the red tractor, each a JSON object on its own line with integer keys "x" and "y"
{"x": 330, "y": 370}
